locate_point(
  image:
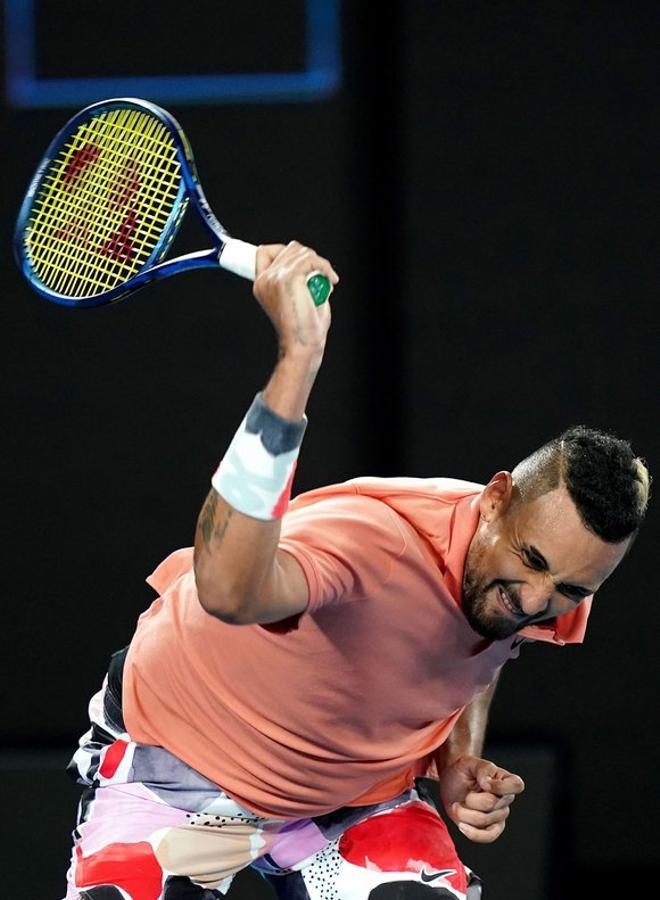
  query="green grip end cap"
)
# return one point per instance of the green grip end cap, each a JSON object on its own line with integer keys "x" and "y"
{"x": 319, "y": 288}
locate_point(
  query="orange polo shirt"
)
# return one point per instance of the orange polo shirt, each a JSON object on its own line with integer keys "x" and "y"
{"x": 346, "y": 704}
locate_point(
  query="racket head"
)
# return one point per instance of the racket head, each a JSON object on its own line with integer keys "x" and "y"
{"x": 106, "y": 203}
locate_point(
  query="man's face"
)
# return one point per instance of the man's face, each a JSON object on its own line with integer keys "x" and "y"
{"x": 530, "y": 561}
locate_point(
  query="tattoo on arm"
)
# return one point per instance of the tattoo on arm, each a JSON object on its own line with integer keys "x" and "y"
{"x": 213, "y": 531}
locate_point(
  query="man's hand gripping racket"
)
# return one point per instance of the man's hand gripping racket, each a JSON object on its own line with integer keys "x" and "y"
{"x": 106, "y": 203}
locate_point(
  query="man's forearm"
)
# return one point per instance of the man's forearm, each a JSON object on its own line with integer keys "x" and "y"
{"x": 476, "y": 793}
{"x": 469, "y": 733}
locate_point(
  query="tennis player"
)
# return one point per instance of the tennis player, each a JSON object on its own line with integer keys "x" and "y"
{"x": 309, "y": 660}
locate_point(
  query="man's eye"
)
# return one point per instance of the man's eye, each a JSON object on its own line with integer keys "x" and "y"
{"x": 532, "y": 561}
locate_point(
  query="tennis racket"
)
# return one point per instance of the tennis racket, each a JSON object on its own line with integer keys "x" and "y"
{"x": 106, "y": 203}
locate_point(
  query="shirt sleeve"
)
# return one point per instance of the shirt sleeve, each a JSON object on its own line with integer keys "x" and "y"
{"x": 347, "y": 546}
{"x": 172, "y": 567}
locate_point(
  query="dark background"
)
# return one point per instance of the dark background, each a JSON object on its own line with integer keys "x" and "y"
{"x": 486, "y": 182}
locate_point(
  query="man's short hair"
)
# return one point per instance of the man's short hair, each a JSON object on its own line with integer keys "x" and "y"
{"x": 609, "y": 485}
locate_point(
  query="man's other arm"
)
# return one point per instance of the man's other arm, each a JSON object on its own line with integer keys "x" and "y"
{"x": 476, "y": 793}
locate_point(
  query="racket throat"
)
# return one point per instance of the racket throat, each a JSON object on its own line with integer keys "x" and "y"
{"x": 201, "y": 259}
{"x": 235, "y": 256}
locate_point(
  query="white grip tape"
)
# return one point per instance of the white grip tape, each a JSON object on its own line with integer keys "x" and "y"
{"x": 240, "y": 258}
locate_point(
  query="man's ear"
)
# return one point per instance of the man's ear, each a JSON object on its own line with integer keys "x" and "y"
{"x": 496, "y": 497}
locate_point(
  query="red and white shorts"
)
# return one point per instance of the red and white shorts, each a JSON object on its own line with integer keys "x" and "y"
{"x": 150, "y": 827}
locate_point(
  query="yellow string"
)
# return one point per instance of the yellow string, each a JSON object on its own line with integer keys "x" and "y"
{"x": 118, "y": 172}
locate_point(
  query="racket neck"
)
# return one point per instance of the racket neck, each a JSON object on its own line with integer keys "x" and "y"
{"x": 201, "y": 259}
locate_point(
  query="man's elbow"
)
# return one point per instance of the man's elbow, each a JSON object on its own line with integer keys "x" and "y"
{"x": 224, "y": 605}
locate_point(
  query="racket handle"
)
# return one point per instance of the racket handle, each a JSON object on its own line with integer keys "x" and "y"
{"x": 240, "y": 258}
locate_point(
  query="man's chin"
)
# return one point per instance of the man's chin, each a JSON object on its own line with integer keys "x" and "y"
{"x": 492, "y": 627}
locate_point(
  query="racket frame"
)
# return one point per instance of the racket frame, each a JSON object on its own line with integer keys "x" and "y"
{"x": 153, "y": 268}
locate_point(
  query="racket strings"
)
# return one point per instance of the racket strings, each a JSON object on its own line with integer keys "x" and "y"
{"x": 80, "y": 202}
{"x": 71, "y": 228}
{"x": 104, "y": 202}
{"x": 75, "y": 227}
{"x": 126, "y": 236}
{"x": 65, "y": 217}
{"x": 104, "y": 189}
{"x": 109, "y": 183}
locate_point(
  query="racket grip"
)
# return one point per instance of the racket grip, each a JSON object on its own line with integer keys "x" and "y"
{"x": 240, "y": 258}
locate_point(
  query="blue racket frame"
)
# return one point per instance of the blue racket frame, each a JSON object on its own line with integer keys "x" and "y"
{"x": 152, "y": 269}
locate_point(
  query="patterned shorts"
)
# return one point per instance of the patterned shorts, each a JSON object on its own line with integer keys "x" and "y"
{"x": 149, "y": 827}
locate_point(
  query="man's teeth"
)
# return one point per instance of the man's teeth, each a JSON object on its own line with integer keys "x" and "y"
{"x": 506, "y": 602}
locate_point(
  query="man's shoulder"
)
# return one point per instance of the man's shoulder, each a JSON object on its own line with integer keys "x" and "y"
{"x": 442, "y": 489}
{"x": 435, "y": 509}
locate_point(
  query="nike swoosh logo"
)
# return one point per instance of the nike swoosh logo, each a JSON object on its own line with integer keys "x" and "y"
{"x": 426, "y": 876}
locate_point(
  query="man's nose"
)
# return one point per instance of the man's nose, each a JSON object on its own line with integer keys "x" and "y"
{"x": 536, "y": 593}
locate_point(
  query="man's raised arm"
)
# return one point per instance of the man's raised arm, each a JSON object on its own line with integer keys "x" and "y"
{"x": 240, "y": 576}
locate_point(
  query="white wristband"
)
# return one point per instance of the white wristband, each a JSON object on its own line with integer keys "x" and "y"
{"x": 256, "y": 473}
